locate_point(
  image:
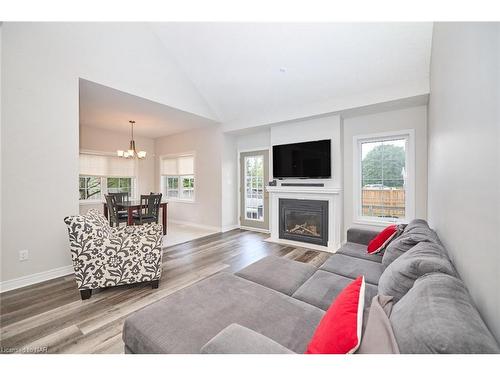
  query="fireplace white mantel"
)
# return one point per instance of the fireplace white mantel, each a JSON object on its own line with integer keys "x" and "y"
{"x": 332, "y": 195}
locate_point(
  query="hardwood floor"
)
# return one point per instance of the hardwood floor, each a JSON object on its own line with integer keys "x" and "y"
{"x": 50, "y": 317}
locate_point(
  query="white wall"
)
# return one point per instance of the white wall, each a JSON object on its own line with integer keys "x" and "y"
{"x": 94, "y": 139}
{"x": 41, "y": 65}
{"x": 314, "y": 130}
{"x": 229, "y": 179}
{"x": 464, "y": 167}
{"x": 207, "y": 144}
{"x": 258, "y": 139}
{"x": 409, "y": 118}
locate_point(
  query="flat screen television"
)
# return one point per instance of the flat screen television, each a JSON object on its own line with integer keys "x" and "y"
{"x": 303, "y": 160}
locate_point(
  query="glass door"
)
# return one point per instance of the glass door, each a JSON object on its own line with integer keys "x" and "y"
{"x": 254, "y": 171}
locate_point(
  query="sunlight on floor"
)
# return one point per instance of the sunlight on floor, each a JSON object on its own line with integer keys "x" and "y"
{"x": 179, "y": 233}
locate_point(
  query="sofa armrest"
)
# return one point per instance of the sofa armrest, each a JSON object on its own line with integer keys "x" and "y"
{"x": 236, "y": 339}
{"x": 361, "y": 236}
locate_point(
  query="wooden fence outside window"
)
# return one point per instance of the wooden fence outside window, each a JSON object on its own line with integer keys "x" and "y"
{"x": 383, "y": 202}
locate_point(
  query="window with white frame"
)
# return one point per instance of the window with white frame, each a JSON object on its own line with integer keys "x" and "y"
{"x": 103, "y": 174}
{"x": 383, "y": 185}
{"x": 177, "y": 177}
{"x": 90, "y": 188}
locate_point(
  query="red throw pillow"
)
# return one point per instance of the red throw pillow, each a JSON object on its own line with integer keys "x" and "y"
{"x": 339, "y": 331}
{"x": 382, "y": 240}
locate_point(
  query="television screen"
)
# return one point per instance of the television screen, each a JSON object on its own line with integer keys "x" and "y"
{"x": 303, "y": 160}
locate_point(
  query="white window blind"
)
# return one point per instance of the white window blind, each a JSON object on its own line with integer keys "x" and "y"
{"x": 106, "y": 166}
{"x": 177, "y": 166}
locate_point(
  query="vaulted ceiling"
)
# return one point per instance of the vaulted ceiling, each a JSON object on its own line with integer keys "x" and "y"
{"x": 252, "y": 73}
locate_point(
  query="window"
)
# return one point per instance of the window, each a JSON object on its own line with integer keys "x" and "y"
{"x": 177, "y": 177}
{"x": 254, "y": 187}
{"x": 90, "y": 188}
{"x": 383, "y": 187}
{"x": 103, "y": 174}
{"x": 94, "y": 188}
{"x": 172, "y": 187}
{"x": 187, "y": 187}
{"x": 180, "y": 187}
{"x": 119, "y": 185}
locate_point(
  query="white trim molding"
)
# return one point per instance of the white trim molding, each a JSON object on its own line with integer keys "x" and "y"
{"x": 252, "y": 229}
{"x": 36, "y": 278}
{"x": 196, "y": 225}
{"x": 228, "y": 228}
{"x": 410, "y": 196}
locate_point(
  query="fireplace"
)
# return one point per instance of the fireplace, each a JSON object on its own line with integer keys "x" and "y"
{"x": 304, "y": 220}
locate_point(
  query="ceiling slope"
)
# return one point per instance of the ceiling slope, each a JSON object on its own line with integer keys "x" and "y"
{"x": 251, "y": 74}
{"x": 110, "y": 109}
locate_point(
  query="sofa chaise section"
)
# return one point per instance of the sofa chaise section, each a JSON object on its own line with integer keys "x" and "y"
{"x": 352, "y": 267}
{"x": 277, "y": 273}
{"x": 185, "y": 321}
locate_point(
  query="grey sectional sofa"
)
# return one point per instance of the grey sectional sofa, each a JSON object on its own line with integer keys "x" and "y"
{"x": 275, "y": 304}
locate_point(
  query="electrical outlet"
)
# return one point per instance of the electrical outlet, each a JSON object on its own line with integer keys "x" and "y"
{"x": 23, "y": 255}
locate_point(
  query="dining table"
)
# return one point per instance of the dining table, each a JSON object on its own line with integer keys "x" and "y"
{"x": 134, "y": 205}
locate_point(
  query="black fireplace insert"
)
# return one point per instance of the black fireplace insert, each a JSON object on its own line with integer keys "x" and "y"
{"x": 304, "y": 220}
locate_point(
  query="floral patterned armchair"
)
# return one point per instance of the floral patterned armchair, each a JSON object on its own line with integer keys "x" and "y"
{"x": 104, "y": 256}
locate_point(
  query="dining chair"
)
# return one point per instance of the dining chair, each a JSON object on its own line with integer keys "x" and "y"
{"x": 149, "y": 211}
{"x": 120, "y": 197}
{"x": 115, "y": 216}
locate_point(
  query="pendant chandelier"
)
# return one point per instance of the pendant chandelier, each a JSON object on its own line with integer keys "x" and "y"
{"x": 131, "y": 152}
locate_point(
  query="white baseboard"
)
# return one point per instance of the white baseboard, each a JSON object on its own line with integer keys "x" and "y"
{"x": 35, "y": 278}
{"x": 196, "y": 225}
{"x": 267, "y": 231}
{"x": 227, "y": 228}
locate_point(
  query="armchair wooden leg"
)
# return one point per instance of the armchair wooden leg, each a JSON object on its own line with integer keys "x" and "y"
{"x": 85, "y": 293}
{"x": 155, "y": 284}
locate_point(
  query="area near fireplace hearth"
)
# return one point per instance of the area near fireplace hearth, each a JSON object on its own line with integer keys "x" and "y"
{"x": 308, "y": 212}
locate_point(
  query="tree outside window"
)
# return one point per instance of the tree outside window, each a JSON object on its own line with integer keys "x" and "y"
{"x": 383, "y": 178}
{"x": 90, "y": 188}
{"x": 119, "y": 185}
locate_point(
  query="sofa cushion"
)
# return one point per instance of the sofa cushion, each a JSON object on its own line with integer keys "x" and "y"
{"x": 278, "y": 273}
{"x": 437, "y": 316}
{"x": 361, "y": 236}
{"x": 416, "y": 223}
{"x": 378, "y": 336}
{"x": 406, "y": 241}
{"x": 236, "y": 339}
{"x": 358, "y": 251}
{"x": 353, "y": 267}
{"x": 186, "y": 320}
{"x": 323, "y": 287}
{"x": 423, "y": 258}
